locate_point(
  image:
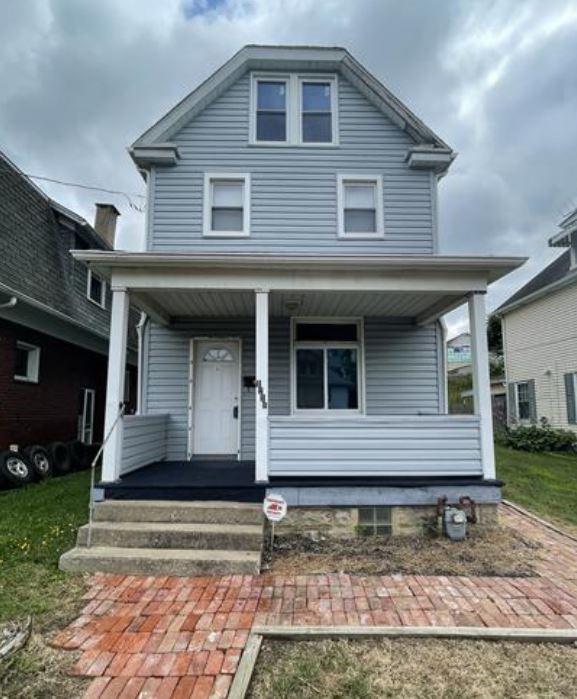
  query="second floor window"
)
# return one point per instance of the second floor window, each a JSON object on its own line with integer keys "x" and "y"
{"x": 360, "y": 206}
{"x": 96, "y": 289}
{"x": 226, "y": 205}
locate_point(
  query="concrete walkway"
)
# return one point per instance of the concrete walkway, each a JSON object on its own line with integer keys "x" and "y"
{"x": 181, "y": 638}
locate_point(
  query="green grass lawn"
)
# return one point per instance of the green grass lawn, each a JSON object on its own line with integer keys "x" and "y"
{"x": 543, "y": 483}
{"x": 37, "y": 524}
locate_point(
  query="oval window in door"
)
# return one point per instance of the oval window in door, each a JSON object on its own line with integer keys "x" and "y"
{"x": 218, "y": 354}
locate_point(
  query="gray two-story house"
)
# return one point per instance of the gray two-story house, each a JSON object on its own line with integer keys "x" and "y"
{"x": 294, "y": 289}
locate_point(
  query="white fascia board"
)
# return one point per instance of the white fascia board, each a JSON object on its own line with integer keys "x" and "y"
{"x": 294, "y": 59}
{"x": 545, "y": 291}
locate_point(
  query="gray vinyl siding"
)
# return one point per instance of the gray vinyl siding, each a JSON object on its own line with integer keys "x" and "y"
{"x": 401, "y": 371}
{"x": 402, "y": 376}
{"x": 143, "y": 441}
{"x": 440, "y": 445}
{"x": 293, "y": 189}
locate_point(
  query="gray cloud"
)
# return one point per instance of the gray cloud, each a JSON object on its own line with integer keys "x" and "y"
{"x": 81, "y": 80}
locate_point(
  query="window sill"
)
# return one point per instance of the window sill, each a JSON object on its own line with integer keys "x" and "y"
{"x": 224, "y": 234}
{"x": 360, "y": 236}
{"x": 282, "y": 144}
{"x": 100, "y": 305}
{"x": 25, "y": 379}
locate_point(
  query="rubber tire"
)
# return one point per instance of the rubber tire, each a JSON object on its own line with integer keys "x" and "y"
{"x": 61, "y": 459}
{"x": 78, "y": 455}
{"x": 40, "y": 460}
{"x": 10, "y": 478}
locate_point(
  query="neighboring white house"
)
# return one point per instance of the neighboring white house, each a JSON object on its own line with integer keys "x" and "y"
{"x": 540, "y": 339}
{"x": 295, "y": 290}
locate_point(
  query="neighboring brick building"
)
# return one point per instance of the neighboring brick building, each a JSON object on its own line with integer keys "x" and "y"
{"x": 54, "y": 318}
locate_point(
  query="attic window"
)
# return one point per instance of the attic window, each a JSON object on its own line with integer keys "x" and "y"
{"x": 295, "y": 110}
{"x": 271, "y": 111}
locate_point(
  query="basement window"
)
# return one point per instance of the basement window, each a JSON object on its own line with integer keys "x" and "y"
{"x": 375, "y": 521}
{"x": 27, "y": 362}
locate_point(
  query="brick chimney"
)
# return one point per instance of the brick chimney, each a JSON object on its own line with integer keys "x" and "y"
{"x": 105, "y": 222}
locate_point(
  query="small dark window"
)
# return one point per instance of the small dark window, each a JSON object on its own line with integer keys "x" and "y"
{"x": 96, "y": 289}
{"x": 326, "y": 332}
{"x": 271, "y": 111}
{"x": 21, "y": 364}
{"x": 523, "y": 401}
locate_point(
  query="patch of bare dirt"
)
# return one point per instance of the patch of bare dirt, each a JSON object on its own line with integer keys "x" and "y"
{"x": 499, "y": 551}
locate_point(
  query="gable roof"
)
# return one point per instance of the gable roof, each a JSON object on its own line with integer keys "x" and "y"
{"x": 314, "y": 58}
{"x": 549, "y": 279}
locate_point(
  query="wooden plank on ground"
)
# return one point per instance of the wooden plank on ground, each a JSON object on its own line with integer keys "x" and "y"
{"x": 245, "y": 668}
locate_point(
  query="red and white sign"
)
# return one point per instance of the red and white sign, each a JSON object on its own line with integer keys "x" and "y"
{"x": 274, "y": 507}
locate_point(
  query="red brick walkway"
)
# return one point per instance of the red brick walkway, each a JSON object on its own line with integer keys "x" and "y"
{"x": 181, "y": 638}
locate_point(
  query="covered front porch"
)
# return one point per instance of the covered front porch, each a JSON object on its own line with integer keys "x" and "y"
{"x": 385, "y": 421}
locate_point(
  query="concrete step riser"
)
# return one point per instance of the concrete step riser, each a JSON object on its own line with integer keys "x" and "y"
{"x": 143, "y": 512}
{"x": 135, "y": 566}
{"x": 133, "y": 538}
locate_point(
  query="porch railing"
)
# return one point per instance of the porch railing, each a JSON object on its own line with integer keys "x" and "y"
{"x": 143, "y": 441}
{"x": 407, "y": 445}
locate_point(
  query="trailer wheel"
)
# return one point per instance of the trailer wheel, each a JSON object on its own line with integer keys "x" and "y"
{"x": 61, "y": 460}
{"x": 40, "y": 460}
{"x": 15, "y": 469}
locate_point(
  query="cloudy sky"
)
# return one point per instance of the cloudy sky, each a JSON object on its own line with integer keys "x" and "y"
{"x": 497, "y": 80}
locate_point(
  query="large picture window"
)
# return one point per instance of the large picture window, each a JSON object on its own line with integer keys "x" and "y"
{"x": 327, "y": 366}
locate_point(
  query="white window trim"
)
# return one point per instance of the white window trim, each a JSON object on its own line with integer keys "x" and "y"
{"x": 207, "y": 232}
{"x": 342, "y": 178}
{"x": 102, "y": 303}
{"x": 520, "y": 420}
{"x": 359, "y": 345}
{"x": 33, "y": 366}
{"x": 332, "y": 80}
{"x": 85, "y": 393}
{"x": 293, "y": 82}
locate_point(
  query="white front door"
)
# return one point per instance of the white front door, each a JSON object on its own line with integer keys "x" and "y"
{"x": 216, "y": 397}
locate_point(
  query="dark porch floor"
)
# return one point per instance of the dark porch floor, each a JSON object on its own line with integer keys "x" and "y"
{"x": 228, "y": 479}
{"x": 216, "y": 479}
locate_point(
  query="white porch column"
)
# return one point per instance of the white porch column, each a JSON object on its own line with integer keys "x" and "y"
{"x": 481, "y": 380}
{"x": 261, "y": 390}
{"x": 115, "y": 384}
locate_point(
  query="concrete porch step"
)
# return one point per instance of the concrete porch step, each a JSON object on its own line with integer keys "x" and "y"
{"x": 178, "y": 511}
{"x": 149, "y": 561}
{"x": 174, "y": 535}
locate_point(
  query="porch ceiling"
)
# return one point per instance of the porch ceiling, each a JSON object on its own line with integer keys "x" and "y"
{"x": 197, "y": 303}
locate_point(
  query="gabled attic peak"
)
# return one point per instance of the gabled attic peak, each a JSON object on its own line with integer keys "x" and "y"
{"x": 567, "y": 237}
{"x": 155, "y": 143}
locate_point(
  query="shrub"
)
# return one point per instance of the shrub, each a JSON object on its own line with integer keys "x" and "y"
{"x": 538, "y": 438}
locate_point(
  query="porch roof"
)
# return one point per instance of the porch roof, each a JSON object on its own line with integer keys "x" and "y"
{"x": 166, "y": 285}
